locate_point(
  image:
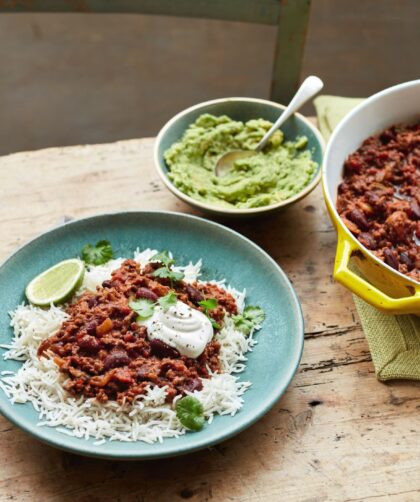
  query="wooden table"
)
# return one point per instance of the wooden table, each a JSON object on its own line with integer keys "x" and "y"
{"x": 337, "y": 433}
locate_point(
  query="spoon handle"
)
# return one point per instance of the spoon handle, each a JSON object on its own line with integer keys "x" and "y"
{"x": 310, "y": 86}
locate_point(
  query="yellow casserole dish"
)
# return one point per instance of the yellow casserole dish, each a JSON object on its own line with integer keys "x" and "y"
{"x": 378, "y": 283}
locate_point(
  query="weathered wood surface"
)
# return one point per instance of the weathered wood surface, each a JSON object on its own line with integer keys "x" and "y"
{"x": 337, "y": 434}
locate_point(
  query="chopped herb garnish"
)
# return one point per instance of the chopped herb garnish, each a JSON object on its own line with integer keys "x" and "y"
{"x": 250, "y": 318}
{"x": 168, "y": 300}
{"x": 143, "y": 307}
{"x": 164, "y": 258}
{"x": 210, "y": 304}
{"x": 214, "y": 323}
{"x": 190, "y": 413}
{"x": 166, "y": 273}
{"x": 98, "y": 254}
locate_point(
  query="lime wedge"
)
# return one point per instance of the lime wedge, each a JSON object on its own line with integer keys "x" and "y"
{"x": 57, "y": 284}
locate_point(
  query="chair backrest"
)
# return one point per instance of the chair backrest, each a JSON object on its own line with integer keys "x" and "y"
{"x": 290, "y": 16}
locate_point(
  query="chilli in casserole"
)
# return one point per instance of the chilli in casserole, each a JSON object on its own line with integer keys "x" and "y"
{"x": 379, "y": 198}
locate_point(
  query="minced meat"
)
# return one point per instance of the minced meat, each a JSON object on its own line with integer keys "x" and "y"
{"x": 106, "y": 354}
{"x": 379, "y": 198}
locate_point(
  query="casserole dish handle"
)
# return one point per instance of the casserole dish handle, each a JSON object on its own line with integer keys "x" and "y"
{"x": 362, "y": 288}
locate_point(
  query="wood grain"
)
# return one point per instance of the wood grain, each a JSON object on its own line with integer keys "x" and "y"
{"x": 337, "y": 434}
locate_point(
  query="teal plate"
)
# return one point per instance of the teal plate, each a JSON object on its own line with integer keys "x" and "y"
{"x": 225, "y": 254}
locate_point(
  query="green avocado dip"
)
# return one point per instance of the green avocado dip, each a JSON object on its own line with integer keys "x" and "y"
{"x": 279, "y": 172}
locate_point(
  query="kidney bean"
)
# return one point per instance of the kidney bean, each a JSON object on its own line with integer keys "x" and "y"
{"x": 129, "y": 338}
{"x": 386, "y": 136}
{"x": 122, "y": 311}
{"x": 91, "y": 328}
{"x": 192, "y": 384}
{"x": 161, "y": 349}
{"x": 352, "y": 166}
{"x": 143, "y": 373}
{"x": 88, "y": 343}
{"x": 357, "y": 217}
{"x": 416, "y": 235}
{"x": 376, "y": 202}
{"x": 193, "y": 294}
{"x": 372, "y": 197}
{"x": 415, "y": 210}
{"x": 404, "y": 258}
{"x": 151, "y": 267}
{"x": 367, "y": 240}
{"x": 342, "y": 187}
{"x": 107, "y": 284}
{"x": 116, "y": 359}
{"x": 147, "y": 293}
{"x": 390, "y": 258}
{"x": 91, "y": 301}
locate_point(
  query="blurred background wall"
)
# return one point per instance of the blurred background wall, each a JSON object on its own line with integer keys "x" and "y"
{"x": 75, "y": 78}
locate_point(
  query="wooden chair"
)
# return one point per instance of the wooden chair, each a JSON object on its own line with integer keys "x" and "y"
{"x": 290, "y": 16}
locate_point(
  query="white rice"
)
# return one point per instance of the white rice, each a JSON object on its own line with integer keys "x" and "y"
{"x": 148, "y": 418}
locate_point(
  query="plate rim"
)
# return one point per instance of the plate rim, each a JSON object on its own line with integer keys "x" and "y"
{"x": 93, "y": 451}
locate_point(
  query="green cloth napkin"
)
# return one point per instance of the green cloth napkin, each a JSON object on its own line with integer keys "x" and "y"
{"x": 331, "y": 109}
{"x": 394, "y": 341}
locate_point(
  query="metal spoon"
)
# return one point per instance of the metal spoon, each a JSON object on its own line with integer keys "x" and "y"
{"x": 310, "y": 86}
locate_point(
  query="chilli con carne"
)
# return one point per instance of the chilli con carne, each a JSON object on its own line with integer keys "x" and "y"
{"x": 379, "y": 198}
{"x": 106, "y": 354}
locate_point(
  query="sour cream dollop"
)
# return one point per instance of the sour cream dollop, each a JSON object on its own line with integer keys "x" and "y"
{"x": 185, "y": 329}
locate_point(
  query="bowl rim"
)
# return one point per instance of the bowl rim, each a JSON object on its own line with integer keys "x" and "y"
{"x": 325, "y": 170}
{"x": 163, "y": 450}
{"x": 240, "y": 211}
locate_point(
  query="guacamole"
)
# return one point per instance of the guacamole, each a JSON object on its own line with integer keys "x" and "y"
{"x": 277, "y": 173}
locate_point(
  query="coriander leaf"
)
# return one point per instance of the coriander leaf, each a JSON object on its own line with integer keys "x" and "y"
{"x": 242, "y": 324}
{"x": 214, "y": 323}
{"x": 98, "y": 254}
{"x": 164, "y": 258}
{"x": 254, "y": 314}
{"x": 168, "y": 300}
{"x": 190, "y": 413}
{"x": 165, "y": 273}
{"x": 209, "y": 304}
{"x": 162, "y": 272}
{"x": 176, "y": 276}
{"x": 250, "y": 318}
{"x": 144, "y": 308}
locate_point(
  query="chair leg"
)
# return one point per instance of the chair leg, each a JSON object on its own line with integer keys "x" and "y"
{"x": 290, "y": 44}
